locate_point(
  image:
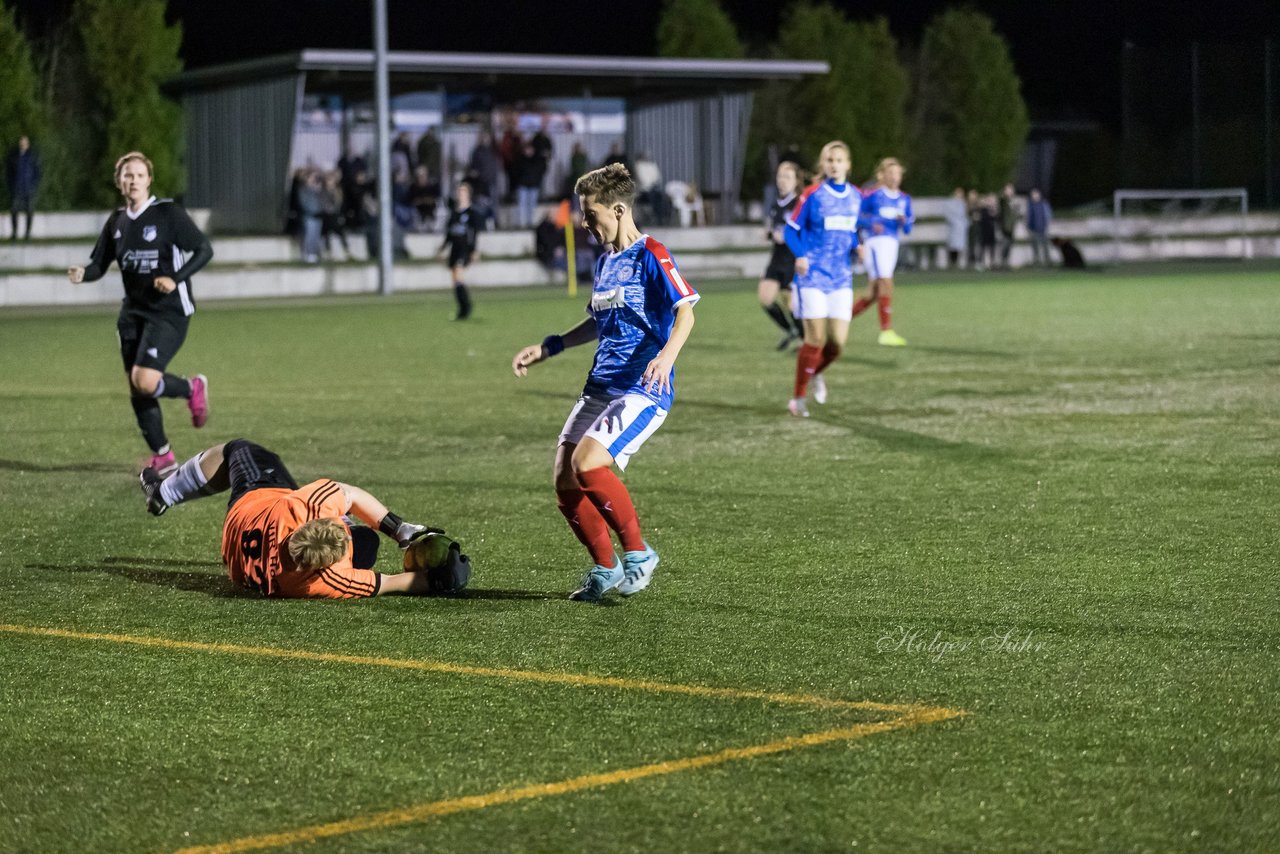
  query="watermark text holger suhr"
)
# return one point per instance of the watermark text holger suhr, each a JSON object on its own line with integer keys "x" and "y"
{"x": 935, "y": 646}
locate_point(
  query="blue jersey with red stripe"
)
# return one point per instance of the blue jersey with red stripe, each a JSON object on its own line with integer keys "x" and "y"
{"x": 823, "y": 228}
{"x": 886, "y": 212}
{"x": 634, "y": 301}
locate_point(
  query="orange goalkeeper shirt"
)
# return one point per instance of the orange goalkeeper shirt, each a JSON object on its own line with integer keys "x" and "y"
{"x": 258, "y": 524}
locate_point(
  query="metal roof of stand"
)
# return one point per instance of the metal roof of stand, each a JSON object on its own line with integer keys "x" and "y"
{"x": 509, "y": 75}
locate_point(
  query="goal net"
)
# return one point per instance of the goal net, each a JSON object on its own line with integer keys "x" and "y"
{"x": 1168, "y": 224}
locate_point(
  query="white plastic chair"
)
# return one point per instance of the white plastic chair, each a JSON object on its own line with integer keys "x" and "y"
{"x": 687, "y": 201}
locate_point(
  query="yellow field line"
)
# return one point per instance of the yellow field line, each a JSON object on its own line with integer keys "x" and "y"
{"x": 573, "y": 679}
{"x": 906, "y": 715}
{"x": 435, "y": 809}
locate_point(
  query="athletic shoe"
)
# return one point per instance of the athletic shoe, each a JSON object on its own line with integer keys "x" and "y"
{"x": 637, "y": 570}
{"x": 598, "y": 582}
{"x": 165, "y": 464}
{"x": 797, "y": 407}
{"x": 889, "y": 338}
{"x": 198, "y": 403}
{"x": 819, "y": 389}
{"x": 787, "y": 340}
{"x": 150, "y": 480}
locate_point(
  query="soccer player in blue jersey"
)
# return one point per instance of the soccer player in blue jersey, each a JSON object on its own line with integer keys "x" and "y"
{"x": 640, "y": 315}
{"x": 822, "y": 233}
{"x": 884, "y": 217}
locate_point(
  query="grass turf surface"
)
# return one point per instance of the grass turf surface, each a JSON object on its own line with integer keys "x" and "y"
{"x": 1084, "y": 464}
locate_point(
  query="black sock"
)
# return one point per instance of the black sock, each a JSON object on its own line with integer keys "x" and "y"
{"x": 150, "y": 421}
{"x": 463, "y": 298}
{"x": 175, "y": 386}
{"x": 778, "y": 316}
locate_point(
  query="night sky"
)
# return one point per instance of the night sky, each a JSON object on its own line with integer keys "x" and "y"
{"x": 1067, "y": 53}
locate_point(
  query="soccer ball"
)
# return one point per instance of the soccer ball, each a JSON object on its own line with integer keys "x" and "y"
{"x": 430, "y": 551}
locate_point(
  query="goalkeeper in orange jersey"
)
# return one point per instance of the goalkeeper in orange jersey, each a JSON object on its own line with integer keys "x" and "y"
{"x": 297, "y": 542}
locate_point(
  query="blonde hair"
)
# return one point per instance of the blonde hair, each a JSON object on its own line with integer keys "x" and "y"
{"x": 134, "y": 155}
{"x": 607, "y": 185}
{"x": 318, "y": 544}
{"x": 835, "y": 143}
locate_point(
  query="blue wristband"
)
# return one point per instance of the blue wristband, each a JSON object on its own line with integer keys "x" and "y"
{"x": 552, "y": 345}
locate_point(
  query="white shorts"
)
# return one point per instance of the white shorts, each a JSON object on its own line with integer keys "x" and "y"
{"x": 815, "y": 304}
{"x": 882, "y": 256}
{"x": 620, "y": 424}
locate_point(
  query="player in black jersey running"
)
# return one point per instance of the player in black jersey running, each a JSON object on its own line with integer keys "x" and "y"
{"x": 148, "y": 238}
{"x": 782, "y": 263}
{"x": 460, "y": 236}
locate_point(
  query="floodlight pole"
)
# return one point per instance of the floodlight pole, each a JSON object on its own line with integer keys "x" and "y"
{"x": 382, "y": 137}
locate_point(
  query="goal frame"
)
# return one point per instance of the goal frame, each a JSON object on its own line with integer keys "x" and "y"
{"x": 1120, "y": 196}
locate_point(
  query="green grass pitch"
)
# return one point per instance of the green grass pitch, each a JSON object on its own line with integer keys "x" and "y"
{"x": 1085, "y": 465}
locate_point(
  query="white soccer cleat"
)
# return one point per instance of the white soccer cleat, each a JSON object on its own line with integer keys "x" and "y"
{"x": 819, "y": 390}
{"x": 796, "y": 407}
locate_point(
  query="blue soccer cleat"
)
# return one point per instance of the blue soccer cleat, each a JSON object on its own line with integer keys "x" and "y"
{"x": 599, "y": 581}
{"x": 637, "y": 570}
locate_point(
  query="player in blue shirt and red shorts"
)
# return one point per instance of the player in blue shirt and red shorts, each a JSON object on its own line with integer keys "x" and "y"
{"x": 640, "y": 315}
{"x": 884, "y": 217}
{"x": 822, "y": 233}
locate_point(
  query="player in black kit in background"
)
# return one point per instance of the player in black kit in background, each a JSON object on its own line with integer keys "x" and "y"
{"x": 782, "y": 264}
{"x": 147, "y": 238}
{"x": 465, "y": 222}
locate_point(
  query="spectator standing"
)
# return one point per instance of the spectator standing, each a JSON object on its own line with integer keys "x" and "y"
{"x": 22, "y": 170}
{"x": 529, "y": 171}
{"x": 484, "y": 166}
{"x": 424, "y": 196}
{"x": 956, "y": 213}
{"x": 975, "y": 203}
{"x": 429, "y": 151}
{"x": 1008, "y": 223}
{"x": 311, "y": 207}
{"x": 542, "y": 143}
{"x": 1039, "y": 215}
{"x": 987, "y": 227}
{"x": 510, "y": 149}
{"x": 617, "y": 155}
{"x": 577, "y": 167}
{"x": 333, "y": 221}
{"x": 401, "y": 154}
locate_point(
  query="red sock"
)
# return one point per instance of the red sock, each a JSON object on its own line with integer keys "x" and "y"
{"x": 613, "y": 501}
{"x": 860, "y": 305}
{"x": 886, "y": 312}
{"x": 830, "y": 353}
{"x": 587, "y": 524}
{"x": 806, "y": 366}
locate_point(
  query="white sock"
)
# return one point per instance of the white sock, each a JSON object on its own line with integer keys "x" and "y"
{"x": 183, "y": 483}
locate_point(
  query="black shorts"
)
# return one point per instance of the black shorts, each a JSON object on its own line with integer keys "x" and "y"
{"x": 782, "y": 266}
{"x": 150, "y": 340}
{"x": 251, "y": 466}
{"x": 459, "y": 256}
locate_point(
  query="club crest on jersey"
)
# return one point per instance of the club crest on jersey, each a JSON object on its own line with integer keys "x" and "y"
{"x": 612, "y": 298}
{"x": 148, "y": 233}
{"x": 624, "y": 272}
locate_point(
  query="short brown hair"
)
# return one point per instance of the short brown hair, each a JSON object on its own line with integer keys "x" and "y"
{"x": 318, "y": 544}
{"x": 886, "y": 163}
{"x": 606, "y": 185}
{"x": 134, "y": 155}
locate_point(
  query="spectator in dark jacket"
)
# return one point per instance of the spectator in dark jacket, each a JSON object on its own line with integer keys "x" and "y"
{"x": 23, "y": 174}
{"x": 528, "y": 173}
{"x": 1039, "y": 215}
